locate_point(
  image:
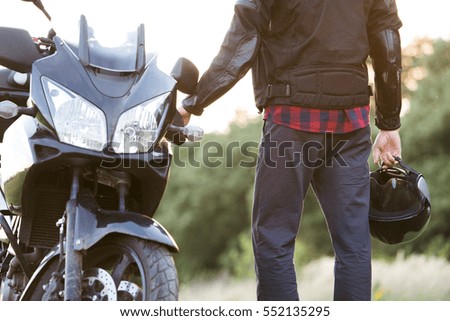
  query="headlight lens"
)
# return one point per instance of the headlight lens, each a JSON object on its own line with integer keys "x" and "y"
{"x": 77, "y": 121}
{"x": 137, "y": 128}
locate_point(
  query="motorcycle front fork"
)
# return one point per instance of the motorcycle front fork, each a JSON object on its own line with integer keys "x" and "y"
{"x": 73, "y": 258}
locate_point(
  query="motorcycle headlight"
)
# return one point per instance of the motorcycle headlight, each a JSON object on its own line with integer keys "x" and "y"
{"x": 77, "y": 121}
{"x": 137, "y": 128}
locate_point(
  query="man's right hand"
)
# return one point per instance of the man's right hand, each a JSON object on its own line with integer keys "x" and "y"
{"x": 185, "y": 115}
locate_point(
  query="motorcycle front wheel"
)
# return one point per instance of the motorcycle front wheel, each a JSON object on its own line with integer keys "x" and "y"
{"x": 122, "y": 268}
{"x": 141, "y": 269}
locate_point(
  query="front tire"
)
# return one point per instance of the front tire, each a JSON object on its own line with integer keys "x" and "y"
{"x": 119, "y": 267}
{"x": 141, "y": 269}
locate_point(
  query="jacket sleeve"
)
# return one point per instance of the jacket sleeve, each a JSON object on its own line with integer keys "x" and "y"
{"x": 385, "y": 52}
{"x": 235, "y": 57}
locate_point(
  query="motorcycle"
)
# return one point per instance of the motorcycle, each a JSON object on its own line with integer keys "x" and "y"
{"x": 86, "y": 132}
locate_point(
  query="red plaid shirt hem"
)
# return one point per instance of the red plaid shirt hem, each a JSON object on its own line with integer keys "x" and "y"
{"x": 315, "y": 120}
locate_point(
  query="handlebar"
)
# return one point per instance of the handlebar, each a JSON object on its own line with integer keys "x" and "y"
{"x": 192, "y": 132}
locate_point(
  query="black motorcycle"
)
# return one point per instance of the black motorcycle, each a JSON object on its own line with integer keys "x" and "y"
{"x": 86, "y": 132}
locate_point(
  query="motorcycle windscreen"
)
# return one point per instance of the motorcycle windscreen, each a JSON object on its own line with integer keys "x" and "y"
{"x": 120, "y": 52}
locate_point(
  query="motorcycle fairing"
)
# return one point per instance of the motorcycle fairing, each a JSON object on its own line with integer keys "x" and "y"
{"x": 18, "y": 158}
{"x": 113, "y": 92}
{"x": 3, "y": 206}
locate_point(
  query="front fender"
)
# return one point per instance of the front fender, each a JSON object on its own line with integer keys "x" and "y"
{"x": 93, "y": 224}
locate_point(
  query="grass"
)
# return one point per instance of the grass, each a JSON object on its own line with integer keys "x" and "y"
{"x": 413, "y": 278}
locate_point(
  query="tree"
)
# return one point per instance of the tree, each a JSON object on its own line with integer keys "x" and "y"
{"x": 207, "y": 202}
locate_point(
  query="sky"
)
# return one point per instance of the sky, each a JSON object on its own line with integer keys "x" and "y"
{"x": 195, "y": 29}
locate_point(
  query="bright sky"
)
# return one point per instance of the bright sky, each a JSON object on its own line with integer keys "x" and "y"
{"x": 195, "y": 29}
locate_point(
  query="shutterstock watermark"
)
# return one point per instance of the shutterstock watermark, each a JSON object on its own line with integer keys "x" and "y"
{"x": 311, "y": 153}
{"x": 212, "y": 154}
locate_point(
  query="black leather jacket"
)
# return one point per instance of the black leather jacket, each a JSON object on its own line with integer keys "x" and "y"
{"x": 310, "y": 54}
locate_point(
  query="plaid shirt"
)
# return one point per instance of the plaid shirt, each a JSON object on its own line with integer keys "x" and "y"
{"x": 315, "y": 120}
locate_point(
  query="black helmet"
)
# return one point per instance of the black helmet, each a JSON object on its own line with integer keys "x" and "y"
{"x": 400, "y": 204}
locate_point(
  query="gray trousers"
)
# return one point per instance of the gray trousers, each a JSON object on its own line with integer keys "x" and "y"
{"x": 336, "y": 167}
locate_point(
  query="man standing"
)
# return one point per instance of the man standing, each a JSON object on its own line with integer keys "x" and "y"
{"x": 308, "y": 60}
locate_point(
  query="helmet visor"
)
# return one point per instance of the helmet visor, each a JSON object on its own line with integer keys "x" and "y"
{"x": 397, "y": 199}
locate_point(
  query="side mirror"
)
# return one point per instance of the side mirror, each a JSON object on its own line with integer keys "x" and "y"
{"x": 186, "y": 74}
{"x": 17, "y": 50}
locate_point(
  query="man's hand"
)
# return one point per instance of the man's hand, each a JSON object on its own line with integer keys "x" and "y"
{"x": 387, "y": 145}
{"x": 185, "y": 115}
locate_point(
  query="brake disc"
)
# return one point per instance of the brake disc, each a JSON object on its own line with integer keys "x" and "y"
{"x": 129, "y": 291}
{"x": 98, "y": 285}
